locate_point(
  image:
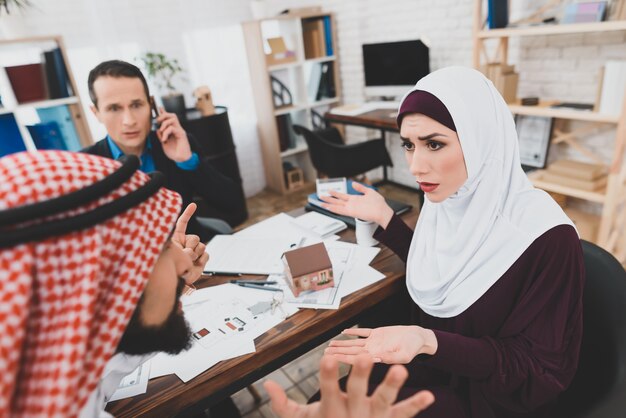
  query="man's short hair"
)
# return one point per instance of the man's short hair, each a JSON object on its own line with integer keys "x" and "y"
{"x": 116, "y": 69}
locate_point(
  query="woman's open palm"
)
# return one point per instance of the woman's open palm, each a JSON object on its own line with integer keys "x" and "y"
{"x": 391, "y": 345}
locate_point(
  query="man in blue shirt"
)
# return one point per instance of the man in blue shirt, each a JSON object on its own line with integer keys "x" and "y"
{"x": 121, "y": 102}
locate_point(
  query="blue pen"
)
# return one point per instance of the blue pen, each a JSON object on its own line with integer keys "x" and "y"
{"x": 257, "y": 282}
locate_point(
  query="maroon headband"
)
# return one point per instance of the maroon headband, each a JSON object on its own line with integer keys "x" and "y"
{"x": 423, "y": 102}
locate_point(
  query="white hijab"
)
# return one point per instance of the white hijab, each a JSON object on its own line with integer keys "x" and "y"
{"x": 464, "y": 244}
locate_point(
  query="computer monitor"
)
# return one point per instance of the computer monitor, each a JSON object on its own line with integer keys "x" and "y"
{"x": 392, "y": 68}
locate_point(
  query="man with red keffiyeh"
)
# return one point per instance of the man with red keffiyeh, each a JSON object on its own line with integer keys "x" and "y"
{"x": 91, "y": 270}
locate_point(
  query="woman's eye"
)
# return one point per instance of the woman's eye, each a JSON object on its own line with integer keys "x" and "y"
{"x": 434, "y": 145}
{"x": 408, "y": 146}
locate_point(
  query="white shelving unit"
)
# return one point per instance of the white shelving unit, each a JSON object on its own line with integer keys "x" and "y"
{"x": 296, "y": 76}
{"x": 26, "y": 51}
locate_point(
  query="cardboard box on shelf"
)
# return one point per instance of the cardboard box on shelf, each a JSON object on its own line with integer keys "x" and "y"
{"x": 577, "y": 169}
{"x": 564, "y": 180}
{"x": 279, "y": 54}
{"x": 504, "y": 78}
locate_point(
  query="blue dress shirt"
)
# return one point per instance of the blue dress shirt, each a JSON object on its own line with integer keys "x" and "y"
{"x": 147, "y": 162}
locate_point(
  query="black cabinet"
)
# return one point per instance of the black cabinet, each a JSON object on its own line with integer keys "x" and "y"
{"x": 216, "y": 140}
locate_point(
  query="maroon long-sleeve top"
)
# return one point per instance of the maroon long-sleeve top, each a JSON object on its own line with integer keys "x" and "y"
{"x": 516, "y": 348}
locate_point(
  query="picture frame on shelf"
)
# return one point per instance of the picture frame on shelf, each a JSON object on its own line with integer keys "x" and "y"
{"x": 534, "y": 134}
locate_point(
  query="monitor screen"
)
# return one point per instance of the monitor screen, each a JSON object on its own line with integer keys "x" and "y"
{"x": 391, "y": 68}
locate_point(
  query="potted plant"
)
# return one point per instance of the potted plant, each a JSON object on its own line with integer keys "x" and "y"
{"x": 19, "y": 4}
{"x": 162, "y": 71}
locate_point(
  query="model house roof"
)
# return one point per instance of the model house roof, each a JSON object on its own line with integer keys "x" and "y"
{"x": 308, "y": 259}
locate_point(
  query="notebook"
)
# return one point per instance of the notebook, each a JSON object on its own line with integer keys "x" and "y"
{"x": 313, "y": 205}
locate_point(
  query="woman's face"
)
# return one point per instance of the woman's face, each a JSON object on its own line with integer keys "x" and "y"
{"x": 434, "y": 155}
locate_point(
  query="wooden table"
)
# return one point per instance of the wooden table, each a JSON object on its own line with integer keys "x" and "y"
{"x": 382, "y": 119}
{"x": 168, "y": 396}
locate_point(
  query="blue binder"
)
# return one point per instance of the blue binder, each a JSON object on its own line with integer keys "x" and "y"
{"x": 10, "y": 138}
{"x": 47, "y": 136}
{"x": 328, "y": 36}
{"x": 62, "y": 116}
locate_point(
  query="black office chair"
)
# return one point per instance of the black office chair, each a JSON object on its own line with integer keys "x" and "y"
{"x": 599, "y": 386}
{"x": 333, "y": 158}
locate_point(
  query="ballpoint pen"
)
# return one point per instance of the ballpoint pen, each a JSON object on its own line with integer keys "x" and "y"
{"x": 259, "y": 282}
{"x": 260, "y": 287}
{"x": 219, "y": 273}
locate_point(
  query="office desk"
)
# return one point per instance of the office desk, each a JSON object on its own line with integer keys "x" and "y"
{"x": 167, "y": 396}
{"x": 382, "y": 119}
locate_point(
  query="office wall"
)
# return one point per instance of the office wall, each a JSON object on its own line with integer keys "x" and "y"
{"x": 560, "y": 67}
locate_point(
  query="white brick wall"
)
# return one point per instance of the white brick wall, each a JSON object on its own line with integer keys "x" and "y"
{"x": 561, "y": 67}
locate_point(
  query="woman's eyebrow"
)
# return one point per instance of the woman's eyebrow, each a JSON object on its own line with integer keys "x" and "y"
{"x": 424, "y": 138}
{"x": 431, "y": 136}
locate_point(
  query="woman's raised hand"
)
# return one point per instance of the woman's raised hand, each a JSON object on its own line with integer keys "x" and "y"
{"x": 370, "y": 206}
{"x": 391, "y": 345}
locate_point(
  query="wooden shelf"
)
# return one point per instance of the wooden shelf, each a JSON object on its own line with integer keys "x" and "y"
{"x": 544, "y": 109}
{"x": 297, "y": 150}
{"x": 324, "y": 102}
{"x": 289, "y": 109}
{"x": 554, "y": 29}
{"x": 536, "y": 177}
{"x": 284, "y": 66}
{"x": 48, "y": 103}
{"x": 304, "y": 106}
{"x": 320, "y": 59}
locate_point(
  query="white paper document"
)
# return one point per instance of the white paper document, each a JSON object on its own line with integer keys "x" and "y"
{"x": 237, "y": 254}
{"x": 283, "y": 226}
{"x": 224, "y": 326}
{"x": 133, "y": 384}
{"x": 320, "y": 224}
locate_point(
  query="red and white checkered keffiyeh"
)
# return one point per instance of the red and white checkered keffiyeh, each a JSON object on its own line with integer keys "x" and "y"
{"x": 66, "y": 301}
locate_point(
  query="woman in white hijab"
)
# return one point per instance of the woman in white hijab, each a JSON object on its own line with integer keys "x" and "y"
{"x": 494, "y": 265}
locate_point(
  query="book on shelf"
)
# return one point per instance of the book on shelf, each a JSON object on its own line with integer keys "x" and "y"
{"x": 326, "y": 88}
{"x": 47, "y": 136}
{"x": 584, "y": 12}
{"x": 12, "y": 140}
{"x": 314, "y": 81}
{"x": 62, "y": 116}
{"x": 613, "y": 85}
{"x": 313, "y": 37}
{"x": 56, "y": 75}
{"x": 28, "y": 82}
{"x": 286, "y": 134}
{"x": 497, "y": 14}
{"x": 328, "y": 36}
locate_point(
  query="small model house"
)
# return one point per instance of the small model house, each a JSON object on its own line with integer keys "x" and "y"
{"x": 308, "y": 268}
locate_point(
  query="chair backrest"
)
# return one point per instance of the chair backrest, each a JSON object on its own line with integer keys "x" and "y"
{"x": 321, "y": 150}
{"x": 333, "y": 158}
{"x": 599, "y": 386}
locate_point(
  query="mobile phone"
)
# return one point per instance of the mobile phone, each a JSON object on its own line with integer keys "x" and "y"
{"x": 155, "y": 114}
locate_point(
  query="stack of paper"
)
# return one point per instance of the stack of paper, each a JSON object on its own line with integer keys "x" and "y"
{"x": 224, "y": 326}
